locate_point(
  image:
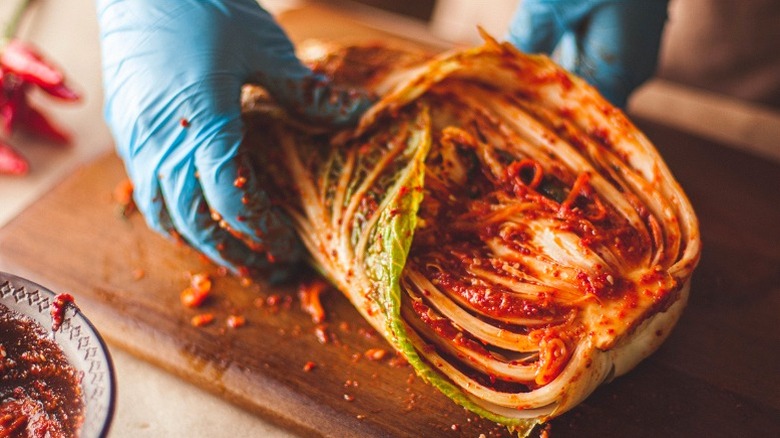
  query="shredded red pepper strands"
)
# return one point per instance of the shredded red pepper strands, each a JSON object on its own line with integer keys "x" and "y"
{"x": 582, "y": 188}
{"x": 515, "y": 170}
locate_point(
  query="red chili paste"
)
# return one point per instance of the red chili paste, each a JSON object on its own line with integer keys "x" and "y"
{"x": 40, "y": 392}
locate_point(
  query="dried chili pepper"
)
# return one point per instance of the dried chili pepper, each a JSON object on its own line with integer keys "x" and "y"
{"x": 11, "y": 161}
{"x": 23, "y": 68}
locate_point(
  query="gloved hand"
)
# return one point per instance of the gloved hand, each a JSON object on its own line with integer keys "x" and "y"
{"x": 613, "y": 44}
{"x": 172, "y": 72}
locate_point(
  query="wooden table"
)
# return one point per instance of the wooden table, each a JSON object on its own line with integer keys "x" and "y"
{"x": 717, "y": 375}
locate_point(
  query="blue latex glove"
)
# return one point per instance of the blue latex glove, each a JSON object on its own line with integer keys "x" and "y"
{"x": 613, "y": 44}
{"x": 173, "y": 71}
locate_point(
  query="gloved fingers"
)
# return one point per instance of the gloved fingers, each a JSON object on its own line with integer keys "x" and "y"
{"x": 189, "y": 213}
{"x": 149, "y": 200}
{"x": 272, "y": 63}
{"x": 237, "y": 202}
{"x": 537, "y": 26}
{"x": 317, "y": 99}
{"x": 618, "y": 46}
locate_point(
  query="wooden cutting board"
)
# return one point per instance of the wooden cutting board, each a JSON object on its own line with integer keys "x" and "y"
{"x": 75, "y": 240}
{"x": 717, "y": 375}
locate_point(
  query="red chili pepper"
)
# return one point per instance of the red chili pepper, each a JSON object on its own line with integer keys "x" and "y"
{"x": 34, "y": 122}
{"x": 21, "y": 68}
{"x": 11, "y": 98}
{"x": 11, "y": 161}
{"x": 26, "y": 63}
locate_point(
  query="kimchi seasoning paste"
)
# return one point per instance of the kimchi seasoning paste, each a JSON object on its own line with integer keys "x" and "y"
{"x": 40, "y": 392}
{"x": 58, "y": 307}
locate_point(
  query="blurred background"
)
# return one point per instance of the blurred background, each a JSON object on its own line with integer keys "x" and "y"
{"x": 722, "y": 46}
{"x": 718, "y": 73}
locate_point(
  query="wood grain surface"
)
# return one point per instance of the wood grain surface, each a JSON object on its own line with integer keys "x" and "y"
{"x": 716, "y": 376}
